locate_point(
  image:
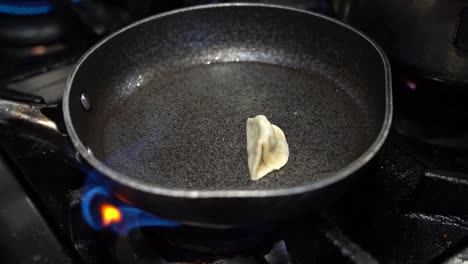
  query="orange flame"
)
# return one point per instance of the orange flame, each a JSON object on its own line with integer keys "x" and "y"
{"x": 110, "y": 214}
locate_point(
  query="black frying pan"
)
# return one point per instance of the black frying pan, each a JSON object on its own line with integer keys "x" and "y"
{"x": 159, "y": 109}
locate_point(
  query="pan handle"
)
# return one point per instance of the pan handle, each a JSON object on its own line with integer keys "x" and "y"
{"x": 34, "y": 118}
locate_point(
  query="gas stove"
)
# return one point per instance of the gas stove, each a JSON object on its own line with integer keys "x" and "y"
{"x": 413, "y": 211}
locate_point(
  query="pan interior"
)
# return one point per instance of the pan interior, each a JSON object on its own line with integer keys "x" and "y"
{"x": 186, "y": 129}
{"x": 171, "y": 95}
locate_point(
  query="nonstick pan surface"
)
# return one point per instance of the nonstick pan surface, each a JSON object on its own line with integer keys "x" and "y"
{"x": 186, "y": 129}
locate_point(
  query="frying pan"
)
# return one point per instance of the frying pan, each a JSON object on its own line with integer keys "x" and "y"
{"x": 159, "y": 110}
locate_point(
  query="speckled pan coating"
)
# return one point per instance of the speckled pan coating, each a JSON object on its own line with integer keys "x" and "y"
{"x": 187, "y": 129}
{"x": 170, "y": 96}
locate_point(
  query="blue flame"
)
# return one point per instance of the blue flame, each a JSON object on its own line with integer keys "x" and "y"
{"x": 131, "y": 217}
{"x": 98, "y": 190}
{"x": 24, "y": 7}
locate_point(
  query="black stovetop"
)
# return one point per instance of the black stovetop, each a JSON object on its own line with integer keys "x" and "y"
{"x": 410, "y": 207}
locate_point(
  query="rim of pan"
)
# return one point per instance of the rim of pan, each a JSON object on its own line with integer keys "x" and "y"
{"x": 122, "y": 179}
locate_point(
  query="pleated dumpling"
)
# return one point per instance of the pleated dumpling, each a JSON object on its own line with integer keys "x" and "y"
{"x": 266, "y": 147}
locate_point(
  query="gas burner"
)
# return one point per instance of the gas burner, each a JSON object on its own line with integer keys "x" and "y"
{"x": 315, "y": 239}
{"x": 177, "y": 244}
{"x": 148, "y": 244}
{"x": 129, "y": 247}
{"x": 37, "y": 35}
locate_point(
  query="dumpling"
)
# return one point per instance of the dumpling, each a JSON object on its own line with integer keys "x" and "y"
{"x": 267, "y": 148}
